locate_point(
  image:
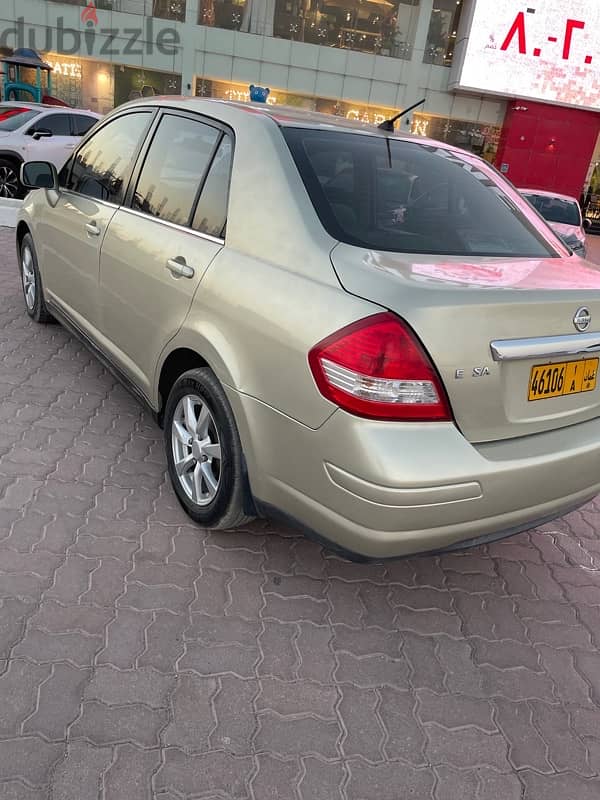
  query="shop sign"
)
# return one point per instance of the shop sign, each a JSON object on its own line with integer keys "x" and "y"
{"x": 546, "y": 50}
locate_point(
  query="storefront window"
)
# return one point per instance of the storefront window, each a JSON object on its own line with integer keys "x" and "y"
{"x": 443, "y": 28}
{"x": 163, "y": 9}
{"x": 385, "y": 27}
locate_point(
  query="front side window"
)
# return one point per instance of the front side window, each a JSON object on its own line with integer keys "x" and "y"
{"x": 56, "y": 124}
{"x": 554, "y": 209}
{"x": 101, "y": 168}
{"x": 211, "y": 211}
{"x": 174, "y": 168}
{"x": 402, "y": 196}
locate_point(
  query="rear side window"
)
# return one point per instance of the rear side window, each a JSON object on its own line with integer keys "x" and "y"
{"x": 82, "y": 123}
{"x": 402, "y": 196}
{"x": 210, "y": 216}
{"x": 12, "y": 117}
{"x": 101, "y": 167}
{"x": 174, "y": 168}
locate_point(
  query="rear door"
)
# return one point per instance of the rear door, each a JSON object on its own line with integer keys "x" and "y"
{"x": 159, "y": 246}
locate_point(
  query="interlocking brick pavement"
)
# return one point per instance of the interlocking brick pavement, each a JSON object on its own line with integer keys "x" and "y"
{"x": 144, "y": 658}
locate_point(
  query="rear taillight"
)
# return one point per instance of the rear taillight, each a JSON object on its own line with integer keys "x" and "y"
{"x": 376, "y": 368}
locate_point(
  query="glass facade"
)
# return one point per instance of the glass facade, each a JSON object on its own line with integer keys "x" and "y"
{"x": 443, "y": 28}
{"x": 163, "y": 9}
{"x": 383, "y": 27}
{"x": 476, "y": 137}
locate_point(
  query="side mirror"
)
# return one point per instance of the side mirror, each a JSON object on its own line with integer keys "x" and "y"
{"x": 39, "y": 175}
{"x": 41, "y": 133}
{"x": 587, "y": 224}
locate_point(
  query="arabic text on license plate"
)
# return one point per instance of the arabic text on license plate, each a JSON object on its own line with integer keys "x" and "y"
{"x": 558, "y": 380}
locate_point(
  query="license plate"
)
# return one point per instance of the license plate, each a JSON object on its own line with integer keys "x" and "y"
{"x": 558, "y": 380}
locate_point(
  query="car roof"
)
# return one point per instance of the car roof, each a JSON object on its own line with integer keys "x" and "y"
{"x": 285, "y": 116}
{"x": 544, "y": 193}
{"x": 26, "y": 105}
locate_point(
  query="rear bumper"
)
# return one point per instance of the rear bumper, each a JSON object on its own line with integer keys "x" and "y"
{"x": 384, "y": 489}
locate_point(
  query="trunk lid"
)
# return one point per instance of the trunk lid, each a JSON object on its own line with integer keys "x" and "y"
{"x": 459, "y": 307}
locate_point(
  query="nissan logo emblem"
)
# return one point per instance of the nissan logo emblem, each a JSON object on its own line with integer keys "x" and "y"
{"x": 582, "y": 319}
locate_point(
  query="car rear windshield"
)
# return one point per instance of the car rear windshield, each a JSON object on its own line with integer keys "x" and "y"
{"x": 554, "y": 209}
{"x": 12, "y": 117}
{"x": 386, "y": 194}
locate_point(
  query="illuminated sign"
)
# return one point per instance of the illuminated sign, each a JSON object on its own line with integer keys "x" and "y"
{"x": 546, "y": 50}
{"x": 69, "y": 70}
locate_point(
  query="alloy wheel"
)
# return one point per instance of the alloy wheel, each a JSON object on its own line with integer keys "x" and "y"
{"x": 196, "y": 449}
{"x": 28, "y": 276}
{"x": 9, "y": 182}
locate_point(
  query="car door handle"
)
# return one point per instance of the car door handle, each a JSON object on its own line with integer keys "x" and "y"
{"x": 92, "y": 228}
{"x": 179, "y": 268}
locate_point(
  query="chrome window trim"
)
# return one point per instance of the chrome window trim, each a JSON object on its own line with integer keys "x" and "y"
{"x": 105, "y": 203}
{"x": 545, "y": 346}
{"x": 208, "y": 237}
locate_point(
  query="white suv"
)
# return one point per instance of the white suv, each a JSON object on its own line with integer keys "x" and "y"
{"x": 32, "y": 131}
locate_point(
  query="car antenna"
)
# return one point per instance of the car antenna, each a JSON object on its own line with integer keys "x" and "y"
{"x": 388, "y": 124}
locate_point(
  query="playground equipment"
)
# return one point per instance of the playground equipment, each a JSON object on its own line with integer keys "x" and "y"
{"x": 14, "y": 84}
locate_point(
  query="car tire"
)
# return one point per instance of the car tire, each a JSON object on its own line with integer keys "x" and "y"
{"x": 31, "y": 281}
{"x": 204, "y": 452}
{"x": 10, "y": 181}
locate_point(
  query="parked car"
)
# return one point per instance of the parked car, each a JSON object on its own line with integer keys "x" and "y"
{"x": 30, "y": 131}
{"x": 563, "y": 214}
{"x": 394, "y": 371}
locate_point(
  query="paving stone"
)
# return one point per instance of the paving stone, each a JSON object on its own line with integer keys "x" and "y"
{"x": 387, "y": 781}
{"x": 218, "y": 772}
{"x": 193, "y": 718}
{"x": 130, "y": 774}
{"x": 234, "y": 711}
{"x": 222, "y": 630}
{"x": 565, "y": 750}
{"x": 405, "y": 739}
{"x": 455, "y": 710}
{"x": 18, "y": 689}
{"x": 245, "y": 595}
{"x": 59, "y": 701}
{"x": 14, "y": 612}
{"x": 28, "y": 758}
{"x": 228, "y": 658}
{"x": 366, "y": 641}
{"x": 275, "y": 778}
{"x": 465, "y": 747}
{"x": 526, "y": 748}
{"x": 76, "y": 648}
{"x": 125, "y": 638}
{"x": 321, "y": 780}
{"x": 543, "y": 787}
{"x": 279, "y": 656}
{"x": 304, "y": 736}
{"x": 118, "y": 687}
{"x": 313, "y": 644}
{"x": 79, "y": 775}
{"x": 164, "y": 641}
{"x": 362, "y": 731}
{"x": 103, "y": 725}
{"x": 297, "y": 697}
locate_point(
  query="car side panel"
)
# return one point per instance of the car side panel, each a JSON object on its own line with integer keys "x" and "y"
{"x": 254, "y": 323}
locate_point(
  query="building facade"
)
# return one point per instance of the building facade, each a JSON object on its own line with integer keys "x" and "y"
{"x": 363, "y": 59}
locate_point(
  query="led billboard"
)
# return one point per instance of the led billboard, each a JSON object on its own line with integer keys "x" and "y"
{"x": 547, "y": 50}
